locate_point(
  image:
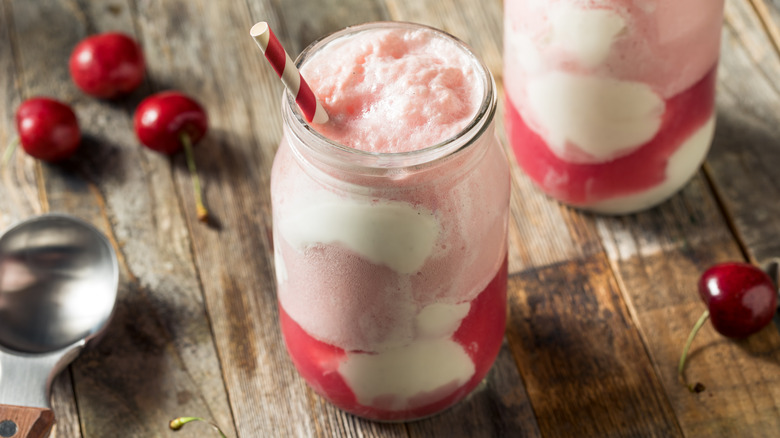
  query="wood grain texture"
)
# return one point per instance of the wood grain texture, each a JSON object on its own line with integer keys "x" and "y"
{"x": 19, "y": 191}
{"x": 744, "y": 158}
{"x": 20, "y": 196}
{"x": 658, "y": 257}
{"x": 157, "y": 358}
{"x": 233, "y": 254}
{"x": 63, "y": 403}
{"x": 583, "y": 363}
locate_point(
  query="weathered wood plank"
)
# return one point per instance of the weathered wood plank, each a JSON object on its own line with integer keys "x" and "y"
{"x": 19, "y": 195}
{"x": 64, "y": 406}
{"x": 204, "y": 49}
{"x": 157, "y": 359}
{"x": 20, "y": 198}
{"x": 659, "y": 256}
{"x": 744, "y": 159}
{"x": 583, "y": 363}
{"x": 300, "y": 22}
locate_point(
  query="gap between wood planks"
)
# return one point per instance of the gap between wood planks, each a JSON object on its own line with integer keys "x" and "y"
{"x": 730, "y": 222}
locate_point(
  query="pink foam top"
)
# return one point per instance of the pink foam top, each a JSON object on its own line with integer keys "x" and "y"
{"x": 667, "y": 44}
{"x": 394, "y": 90}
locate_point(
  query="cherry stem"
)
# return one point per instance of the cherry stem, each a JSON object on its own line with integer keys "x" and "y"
{"x": 178, "y": 423}
{"x": 681, "y": 366}
{"x": 200, "y": 209}
{"x": 9, "y": 152}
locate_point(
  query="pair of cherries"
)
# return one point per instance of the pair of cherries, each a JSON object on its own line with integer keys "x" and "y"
{"x": 108, "y": 66}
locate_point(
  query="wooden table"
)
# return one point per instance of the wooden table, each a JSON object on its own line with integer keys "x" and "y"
{"x": 600, "y": 306}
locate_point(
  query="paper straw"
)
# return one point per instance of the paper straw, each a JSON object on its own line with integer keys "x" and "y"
{"x": 285, "y": 67}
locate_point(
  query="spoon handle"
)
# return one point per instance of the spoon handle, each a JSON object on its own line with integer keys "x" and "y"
{"x": 25, "y": 422}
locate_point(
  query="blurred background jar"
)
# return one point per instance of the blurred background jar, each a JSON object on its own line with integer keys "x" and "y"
{"x": 610, "y": 105}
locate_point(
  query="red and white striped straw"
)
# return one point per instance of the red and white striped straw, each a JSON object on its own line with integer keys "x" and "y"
{"x": 285, "y": 67}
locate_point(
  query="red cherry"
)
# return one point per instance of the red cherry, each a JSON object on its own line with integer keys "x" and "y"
{"x": 169, "y": 121}
{"x": 741, "y": 299}
{"x": 48, "y": 129}
{"x": 107, "y": 65}
{"x": 162, "y": 119}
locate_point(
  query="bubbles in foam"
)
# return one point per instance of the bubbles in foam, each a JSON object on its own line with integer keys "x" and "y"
{"x": 412, "y": 77}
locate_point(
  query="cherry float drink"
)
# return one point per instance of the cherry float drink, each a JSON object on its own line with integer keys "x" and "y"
{"x": 390, "y": 222}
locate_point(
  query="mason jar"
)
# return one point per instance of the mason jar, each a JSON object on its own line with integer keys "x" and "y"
{"x": 610, "y": 105}
{"x": 391, "y": 268}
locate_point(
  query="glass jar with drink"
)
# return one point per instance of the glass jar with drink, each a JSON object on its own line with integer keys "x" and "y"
{"x": 390, "y": 222}
{"x": 610, "y": 104}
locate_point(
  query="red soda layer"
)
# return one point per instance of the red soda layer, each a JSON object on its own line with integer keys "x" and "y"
{"x": 584, "y": 184}
{"x": 480, "y": 333}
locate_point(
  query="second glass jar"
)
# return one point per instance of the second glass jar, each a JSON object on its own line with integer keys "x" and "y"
{"x": 610, "y": 105}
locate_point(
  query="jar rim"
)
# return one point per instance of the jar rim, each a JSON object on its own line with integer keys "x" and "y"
{"x": 480, "y": 122}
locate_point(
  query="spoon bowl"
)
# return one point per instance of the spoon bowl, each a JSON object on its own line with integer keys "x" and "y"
{"x": 58, "y": 287}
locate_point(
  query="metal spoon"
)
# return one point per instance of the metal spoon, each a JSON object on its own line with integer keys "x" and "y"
{"x": 58, "y": 287}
